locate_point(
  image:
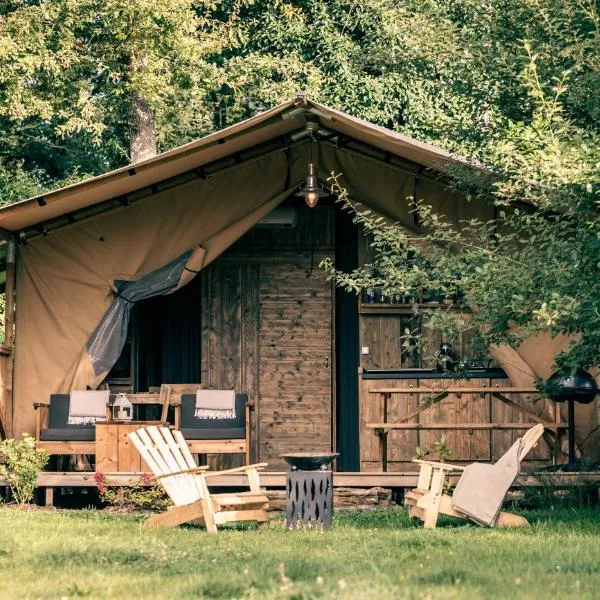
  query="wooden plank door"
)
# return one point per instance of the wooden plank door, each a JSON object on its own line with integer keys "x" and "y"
{"x": 295, "y": 410}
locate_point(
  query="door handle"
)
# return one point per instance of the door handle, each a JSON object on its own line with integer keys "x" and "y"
{"x": 327, "y": 362}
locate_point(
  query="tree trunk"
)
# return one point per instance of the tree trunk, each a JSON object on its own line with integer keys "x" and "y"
{"x": 143, "y": 135}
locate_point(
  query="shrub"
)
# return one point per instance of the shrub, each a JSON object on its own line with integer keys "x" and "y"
{"x": 23, "y": 462}
{"x": 142, "y": 495}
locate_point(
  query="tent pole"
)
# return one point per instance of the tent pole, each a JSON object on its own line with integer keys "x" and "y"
{"x": 9, "y": 318}
{"x": 6, "y": 349}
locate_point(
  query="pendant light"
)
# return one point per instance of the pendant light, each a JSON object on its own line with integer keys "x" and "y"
{"x": 311, "y": 191}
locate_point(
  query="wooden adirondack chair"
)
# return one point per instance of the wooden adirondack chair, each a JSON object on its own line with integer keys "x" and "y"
{"x": 170, "y": 460}
{"x": 428, "y": 499}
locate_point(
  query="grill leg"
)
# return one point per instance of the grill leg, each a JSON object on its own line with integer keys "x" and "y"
{"x": 572, "y": 457}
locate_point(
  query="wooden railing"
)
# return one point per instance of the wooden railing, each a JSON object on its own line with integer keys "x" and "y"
{"x": 553, "y": 434}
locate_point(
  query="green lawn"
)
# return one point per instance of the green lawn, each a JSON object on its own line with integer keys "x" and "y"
{"x": 380, "y": 554}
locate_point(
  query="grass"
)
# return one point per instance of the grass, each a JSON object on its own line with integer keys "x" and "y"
{"x": 379, "y": 554}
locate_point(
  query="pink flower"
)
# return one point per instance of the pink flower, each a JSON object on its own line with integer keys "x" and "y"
{"x": 100, "y": 482}
{"x": 147, "y": 479}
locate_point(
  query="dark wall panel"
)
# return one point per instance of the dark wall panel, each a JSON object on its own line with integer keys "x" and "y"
{"x": 347, "y": 347}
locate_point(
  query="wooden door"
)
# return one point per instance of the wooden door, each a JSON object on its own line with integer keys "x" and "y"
{"x": 295, "y": 409}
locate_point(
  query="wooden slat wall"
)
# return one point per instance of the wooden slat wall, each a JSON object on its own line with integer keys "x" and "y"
{"x": 267, "y": 332}
{"x": 295, "y": 412}
{"x": 466, "y": 446}
{"x": 381, "y": 334}
{"x": 502, "y": 440}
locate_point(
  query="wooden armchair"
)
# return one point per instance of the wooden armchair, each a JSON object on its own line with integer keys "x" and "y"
{"x": 210, "y": 436}
{"x": 429, "y": 498}
{"x": 167, "y": 454}
{"x": 55, "y": 435}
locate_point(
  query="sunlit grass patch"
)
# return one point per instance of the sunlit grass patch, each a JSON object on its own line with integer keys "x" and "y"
{"x": 375, "y": 554}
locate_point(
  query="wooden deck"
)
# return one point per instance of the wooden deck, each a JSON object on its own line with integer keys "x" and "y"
{"x": 407, "y": 479}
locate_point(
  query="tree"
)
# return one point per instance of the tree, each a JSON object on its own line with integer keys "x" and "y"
{"x": 78, "y": 78}
{"x": 536, "y": 266}
{"x": 87, "y": 85}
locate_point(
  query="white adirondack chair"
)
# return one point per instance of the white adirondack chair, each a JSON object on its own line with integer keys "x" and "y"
{"x": 428, "y": 499}
{"x": 171, "y": 462}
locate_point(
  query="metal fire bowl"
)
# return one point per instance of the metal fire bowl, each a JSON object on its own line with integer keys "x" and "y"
{"x": 309, "y": 461}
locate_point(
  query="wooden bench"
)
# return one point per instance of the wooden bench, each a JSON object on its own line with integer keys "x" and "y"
{"x": 55, "y": 435}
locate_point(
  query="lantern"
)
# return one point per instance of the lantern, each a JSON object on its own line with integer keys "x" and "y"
{"x": 311, "y": 191}
{"x": 122, "y": 409}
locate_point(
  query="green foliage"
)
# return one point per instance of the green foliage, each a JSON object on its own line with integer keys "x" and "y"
{"x": 421, "y": 453}
{"x": 534, "y": 267}
{"x": 23, "y": 462}
{"x": 71, "y": 71}
{"x": 141, "y": 495}
{"x": 510, "y": 83}
{"x": 439, "y": 450}
{"x": 445, "y": 71}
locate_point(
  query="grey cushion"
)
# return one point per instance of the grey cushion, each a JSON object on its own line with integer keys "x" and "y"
{"x": 68, "y": 434}
{"x": 59, "y": 429}
{"x": 212, "y": 429}
{"x": 214, "y": 434}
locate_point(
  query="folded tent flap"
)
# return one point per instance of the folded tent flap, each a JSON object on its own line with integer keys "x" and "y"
{"x": 193, "y": 266}
{"x": 104, "y": 346}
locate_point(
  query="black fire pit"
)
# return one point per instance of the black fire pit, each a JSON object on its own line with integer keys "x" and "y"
{"x": 309, "y": 497}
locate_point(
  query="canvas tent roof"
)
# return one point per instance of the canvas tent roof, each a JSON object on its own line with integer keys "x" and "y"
{"x": 276, "y": 123}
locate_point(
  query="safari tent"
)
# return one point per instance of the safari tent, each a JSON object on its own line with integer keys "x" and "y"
{"x": 201, "y": 265}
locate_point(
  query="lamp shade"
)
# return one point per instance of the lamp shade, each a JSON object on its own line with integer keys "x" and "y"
{"x": 311, "y": 191}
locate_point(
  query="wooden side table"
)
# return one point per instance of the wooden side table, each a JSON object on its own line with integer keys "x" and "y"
{"x": 114, "y": 450}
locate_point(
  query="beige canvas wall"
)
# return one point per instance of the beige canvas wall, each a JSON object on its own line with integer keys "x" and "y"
{"x": 533, "y": 359}
{"x": 65, "y": 280}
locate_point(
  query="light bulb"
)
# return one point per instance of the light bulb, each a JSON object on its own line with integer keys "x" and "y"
{"x": 311, "y": 199}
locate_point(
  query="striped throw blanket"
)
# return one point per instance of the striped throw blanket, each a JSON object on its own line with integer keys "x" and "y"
{"x": 86, "y": 406}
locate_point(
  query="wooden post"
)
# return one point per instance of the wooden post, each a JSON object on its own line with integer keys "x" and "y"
{"x": 49, "y": 496}
{"x": 9, "y": 314}
{"x": 6, "y": 351}
{"x": 384, "y": 433}
{"x": 558, "y": 439}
